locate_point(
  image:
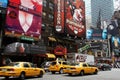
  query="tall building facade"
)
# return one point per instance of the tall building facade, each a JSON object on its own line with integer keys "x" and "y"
{"x": 88, "y": 12}
{"x": 116, "y": 5}
{"x": 96, "y": 9}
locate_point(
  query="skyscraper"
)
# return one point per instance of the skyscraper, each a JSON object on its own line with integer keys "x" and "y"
{"x": 116, "y": 5}
{"x": 98, "y": 8}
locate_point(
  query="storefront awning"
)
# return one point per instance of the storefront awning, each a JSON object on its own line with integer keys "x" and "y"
{"x": 49, "y": 55}
{"x": 51, "y": 38}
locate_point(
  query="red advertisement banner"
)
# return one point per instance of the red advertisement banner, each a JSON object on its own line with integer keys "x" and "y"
{"x": 59, "y": 16}
{"x": 24, "y": 17}
{"x": 75, "y": 17}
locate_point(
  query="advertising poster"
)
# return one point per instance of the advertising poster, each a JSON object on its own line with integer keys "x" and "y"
{"x": 24, "y": 18}
{"x": 59, "y": 16}
{"x": 75, "y": 17}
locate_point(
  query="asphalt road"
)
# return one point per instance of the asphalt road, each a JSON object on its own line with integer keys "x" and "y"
{"x": 102, "y": 75}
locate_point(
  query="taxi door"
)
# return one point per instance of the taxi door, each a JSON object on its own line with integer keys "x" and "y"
{"x": 27, "y": 69}
{"x": 86, "y": 68}
{"x": 34, "y": 70}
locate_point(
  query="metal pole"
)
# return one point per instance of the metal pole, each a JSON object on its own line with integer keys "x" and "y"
{"x": 109, "y": 51}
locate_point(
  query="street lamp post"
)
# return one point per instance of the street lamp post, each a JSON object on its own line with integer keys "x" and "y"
{"x": 109, "y": 51}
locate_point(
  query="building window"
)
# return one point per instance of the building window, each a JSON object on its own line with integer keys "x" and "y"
{"x": 50, "y": 17}
{"x": 44, "y": 3}
{"x": 51, "y": 6}
{"x": 44, "y": 14}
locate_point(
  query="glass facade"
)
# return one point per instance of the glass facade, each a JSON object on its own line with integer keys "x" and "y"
{"x": 94, "y": 7}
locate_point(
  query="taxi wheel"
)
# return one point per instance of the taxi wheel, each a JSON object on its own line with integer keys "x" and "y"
{"x": 22, "y": 76}
{"x": 6, "y": 77}
{"x": 53, "y": 72}
{"x": 61, "y": 71}
{"x": 96, "y": 71}
{"x": 82, "y": 73}
{"x": 70, "y": 74}
{"x": 41, "y": 74}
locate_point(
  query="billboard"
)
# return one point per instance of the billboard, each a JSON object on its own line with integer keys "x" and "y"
{"x": 96, "y": 34}
{"x": 115, "y": 41}
{"x": 113, "y": 28}
{"x": 24, "y": 18}
{"x": 3, "y": 3}
{"x": 59, "y": 16}
{"x": 75, "y": 17}
{"x": 24, "y": 48}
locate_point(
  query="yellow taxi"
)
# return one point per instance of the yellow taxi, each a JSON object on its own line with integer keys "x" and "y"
{"x": 80, "y": 68}
{"x": 21, "y": 70}
{"x": 58, "y": 66}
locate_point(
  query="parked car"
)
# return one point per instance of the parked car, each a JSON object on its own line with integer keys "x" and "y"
{"x": 104, "y": 66}
{"x": 45, "y": 65}
{"x": 21, "y": 70}
{"x": 80, "y": 68}
{"x": 58, "y": 66}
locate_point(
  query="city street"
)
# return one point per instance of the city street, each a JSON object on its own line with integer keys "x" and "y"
{"x": 102, "y": 75}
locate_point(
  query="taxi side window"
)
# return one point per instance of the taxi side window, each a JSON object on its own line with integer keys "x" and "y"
{"x": 32, "y": 65}
{"x": 26, "y": 65}
{"x": 84, "y": 65}
{"x": 65, "y": 63}
{"x": 59, "y": 62}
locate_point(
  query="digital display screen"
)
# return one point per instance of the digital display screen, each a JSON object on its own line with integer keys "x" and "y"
{"x": 24, "y": 17}
{"x": 96, "y": 34}
{"x": 3, "y": 3}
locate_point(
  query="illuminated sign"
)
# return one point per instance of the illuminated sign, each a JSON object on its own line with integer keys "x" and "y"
{"x": 96, "y": 34}
{"x": 3, "y": 3}
{"x": 23, "y": 18}
{"x": 84, "y": 48}
{"x": 60, "y": 50}
{"x": 75, "y": 17}
{"x": 27, "y": 38}
{"x": 59, "y": 16}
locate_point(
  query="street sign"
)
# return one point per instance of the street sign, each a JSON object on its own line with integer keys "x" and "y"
{"x": 84, "y": 48}
{"x": 27, "y": 38}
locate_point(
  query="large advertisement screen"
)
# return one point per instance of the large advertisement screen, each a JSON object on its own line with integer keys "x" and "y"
{"x": 24, "y": 18}
{"x": 59, "y": 16}
{"x": 75, "y": 17}
{"x": 115, "y": 42}
{"x": 3, "y": 3}
{"x": 96, "y": 34}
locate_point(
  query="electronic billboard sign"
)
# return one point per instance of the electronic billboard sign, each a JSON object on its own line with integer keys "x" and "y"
{"x": 24, "y": 18}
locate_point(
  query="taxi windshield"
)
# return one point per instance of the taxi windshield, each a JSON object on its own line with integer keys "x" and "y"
{"x": 13, "y": 64}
